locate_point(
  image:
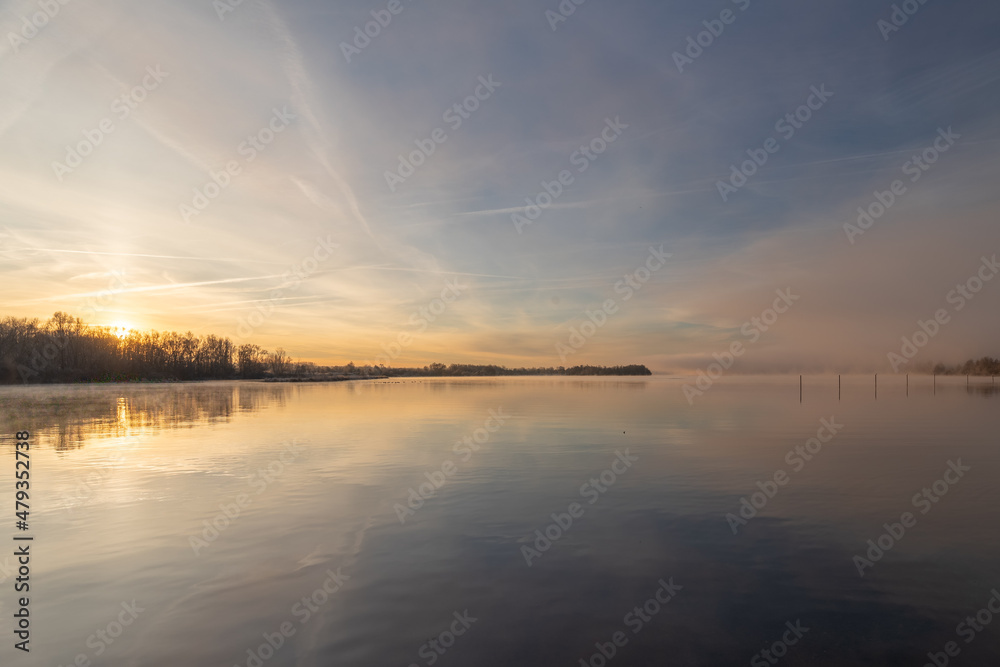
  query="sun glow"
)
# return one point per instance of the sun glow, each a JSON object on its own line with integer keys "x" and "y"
{"x": 121, "y": 329}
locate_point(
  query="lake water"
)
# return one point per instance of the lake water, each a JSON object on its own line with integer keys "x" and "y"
{"x": 127, "y": 569}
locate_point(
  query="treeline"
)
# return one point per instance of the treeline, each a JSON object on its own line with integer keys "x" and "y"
{"x": 984, "y": 366}
{"x": 471, "y": 370}
{"x": 631, "y": 369}
{"x": 65, "y": 349}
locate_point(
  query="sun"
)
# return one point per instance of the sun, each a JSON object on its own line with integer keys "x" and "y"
{"x": 121, "y": 329}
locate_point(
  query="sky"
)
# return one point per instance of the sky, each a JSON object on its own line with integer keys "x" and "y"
{"x": 270, "y": 172}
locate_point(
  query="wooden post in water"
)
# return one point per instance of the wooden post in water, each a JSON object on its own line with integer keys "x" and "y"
{"x": 876, "y": 386}
{"x": 800, "y": 389}
{"x": 907, "y": 384}
{"x": 935, "y": 384}
{"x": 838, "y": 387}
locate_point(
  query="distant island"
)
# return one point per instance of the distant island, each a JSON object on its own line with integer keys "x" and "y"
{"x": 65, "y": 349}
{"x": 472, "y": 370}
{"x": 984, "y": 366}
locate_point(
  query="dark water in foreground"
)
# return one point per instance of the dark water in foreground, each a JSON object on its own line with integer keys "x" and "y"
{"x": 126, "y": 479}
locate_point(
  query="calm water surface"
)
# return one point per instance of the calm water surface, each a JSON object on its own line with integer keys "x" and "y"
{"x": 127, "y": 481}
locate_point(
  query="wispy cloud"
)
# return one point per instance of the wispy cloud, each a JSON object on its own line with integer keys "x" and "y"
{"x": 322, "y": 179}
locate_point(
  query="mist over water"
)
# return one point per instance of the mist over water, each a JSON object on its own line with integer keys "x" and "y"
{"x": 312, "y": 482}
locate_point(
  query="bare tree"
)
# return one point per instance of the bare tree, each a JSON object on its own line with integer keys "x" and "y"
{"x": 279, "y": 362}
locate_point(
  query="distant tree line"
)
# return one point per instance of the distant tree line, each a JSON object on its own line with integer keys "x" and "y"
{"x": 65, "y": 349}
{"x": 984, "y": 366}
{"x": 471, "y": 370}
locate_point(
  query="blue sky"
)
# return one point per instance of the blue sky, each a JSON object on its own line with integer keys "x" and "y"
{"x": 109, "y": 241}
